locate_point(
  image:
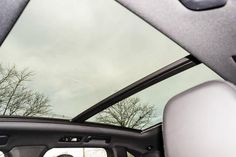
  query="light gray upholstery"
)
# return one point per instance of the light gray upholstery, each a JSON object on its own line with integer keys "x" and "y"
{"x": 201, "y": 122}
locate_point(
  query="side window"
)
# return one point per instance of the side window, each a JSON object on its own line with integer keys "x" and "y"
{"x": 129, "y": 154}
{"x": 76, "y": 152}
{"x": 1, "y": 154}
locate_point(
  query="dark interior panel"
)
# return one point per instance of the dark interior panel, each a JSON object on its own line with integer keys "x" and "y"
{"x": 50, "y": 135}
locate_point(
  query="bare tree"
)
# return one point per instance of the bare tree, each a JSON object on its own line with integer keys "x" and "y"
{"x": 15, "y": 98}
{"x": 129, "y": 112}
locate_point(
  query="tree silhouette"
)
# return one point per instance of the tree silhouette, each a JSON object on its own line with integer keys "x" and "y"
{"x": 15, "y": 98}
{"x": 129, "y": 113}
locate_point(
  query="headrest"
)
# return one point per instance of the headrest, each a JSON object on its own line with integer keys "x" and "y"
{"x": 201, "y": 122}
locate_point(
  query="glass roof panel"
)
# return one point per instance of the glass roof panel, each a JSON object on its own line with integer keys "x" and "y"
{"x": 145, "y": 108}
{"x": 64, "y": 56}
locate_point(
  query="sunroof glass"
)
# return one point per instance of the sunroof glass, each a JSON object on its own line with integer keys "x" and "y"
{"x": 145, "y": 109}
{"x": 64, "y": 56}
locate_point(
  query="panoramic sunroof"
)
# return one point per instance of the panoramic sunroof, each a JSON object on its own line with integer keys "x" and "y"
{"x": 145, "y": 108}
{"x": 63, "y": 56}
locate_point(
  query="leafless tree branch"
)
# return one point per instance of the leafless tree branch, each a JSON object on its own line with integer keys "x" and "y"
{"x": 16, "y": 98}
{"x": 129, "y": 112}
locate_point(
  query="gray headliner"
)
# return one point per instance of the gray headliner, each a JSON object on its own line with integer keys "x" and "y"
{"x": 210, "y": 35}
{"x": 10, "y": 10}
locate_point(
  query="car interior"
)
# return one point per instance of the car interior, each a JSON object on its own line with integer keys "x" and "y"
{"x": 123, "y": 78}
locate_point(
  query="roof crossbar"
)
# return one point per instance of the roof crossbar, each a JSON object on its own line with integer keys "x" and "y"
{"x": 158, "y": 76}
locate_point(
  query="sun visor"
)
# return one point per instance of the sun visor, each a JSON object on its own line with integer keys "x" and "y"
{"x": 10, "y": 11}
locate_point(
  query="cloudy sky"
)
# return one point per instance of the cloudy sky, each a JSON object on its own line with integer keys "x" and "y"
{"x": 82, "y": 51}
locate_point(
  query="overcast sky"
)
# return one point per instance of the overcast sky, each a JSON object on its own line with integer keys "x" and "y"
{"x": 82, "y": 51}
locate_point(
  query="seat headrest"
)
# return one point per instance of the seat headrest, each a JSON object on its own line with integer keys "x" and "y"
{"x": 201, "y": 122}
